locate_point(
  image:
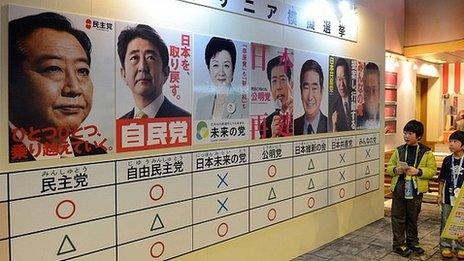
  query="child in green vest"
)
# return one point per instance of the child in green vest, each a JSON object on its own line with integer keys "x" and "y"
{"x": 411, "y": 166}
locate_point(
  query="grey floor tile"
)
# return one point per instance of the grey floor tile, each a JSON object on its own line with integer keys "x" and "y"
{"x": 326, "y": 253}
{"x": 393, "y": 257}
{"x": 374, "y": 252}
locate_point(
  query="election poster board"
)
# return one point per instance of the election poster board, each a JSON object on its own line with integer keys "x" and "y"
{"x": 342, "y": 94}
{"x": 454, "y": 227}
{"x": 310, "y": 92}
{"x": 368, "y": 95}
{"x": 60, "y": 85}
{"x": 221, "y": 88}
{"x": 271, "y": 91}
{"x": 153, "y": 94}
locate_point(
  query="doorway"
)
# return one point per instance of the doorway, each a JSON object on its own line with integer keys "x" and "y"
{"x": 421, "y": 103}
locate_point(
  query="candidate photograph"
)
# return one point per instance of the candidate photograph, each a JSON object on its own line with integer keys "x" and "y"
{"x": 55, "y": 100}
{"x": 222, "y": 94}
{"x": 310, "y": 98}
{"x": 342, "y": 113}
{"x": 368, "y": 116}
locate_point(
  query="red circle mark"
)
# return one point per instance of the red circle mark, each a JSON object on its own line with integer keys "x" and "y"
{"x": 271, "y": 214}
{"x": 60, "y": 215}
{"x": 88, "y": 23}
{"x": 367, "y": 185}
{"x": 222, "y": 229}
{"x": 341, "y": 193}
{"x": 158, "y": 187}
{"x": 272, "y": 171}
{"x": 311, "y": 202}
{"x": 153, "y": 248}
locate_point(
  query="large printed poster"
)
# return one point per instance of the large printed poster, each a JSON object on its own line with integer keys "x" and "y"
{"x": 342, "y": 94}
{"x": 368, "y": 95}
{"x": 153, "y": 87}
{"x": 221, "y": 90}
{"x": 271, "y": 91}
{"x": 310, "y": 93}
{"x": 60, "y": 82}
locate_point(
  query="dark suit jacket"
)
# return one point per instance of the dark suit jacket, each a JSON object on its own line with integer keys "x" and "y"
{"x": 343, "y": 120}
{"x": 79, "y": 147}
{"x": 265, "y": 126}
{"x": 298, "y": 124}
{"x": 167, "y": 109}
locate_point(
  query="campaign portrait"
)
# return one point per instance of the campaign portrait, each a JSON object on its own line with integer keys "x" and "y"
{"x": 153, "y": 87}
{"x": 271, "y": 91}
{"x": 310, "y": 93}
{"x": 60, "y": 85}
{"x": 221, "y": 87}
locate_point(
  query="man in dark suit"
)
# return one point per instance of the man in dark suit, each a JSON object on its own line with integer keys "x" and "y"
{"x": 369, "y": 119}
{"x": 50, "y": 89}
{"x": 341, "y": 109}
{"x": 311, "y": 86}
{"x": 279, "y": 123}
{"x": 144, "y": 68}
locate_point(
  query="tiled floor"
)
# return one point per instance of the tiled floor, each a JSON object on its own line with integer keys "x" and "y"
{"x": 374, "y": 241}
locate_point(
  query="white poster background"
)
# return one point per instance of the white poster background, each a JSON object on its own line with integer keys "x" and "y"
{"x": 260, "y": 81}
{"x": 101, "y": 71}
{"x": 124, "y": 99}
{"x": 203, "y": 85}
{"x": 300, "y": 58}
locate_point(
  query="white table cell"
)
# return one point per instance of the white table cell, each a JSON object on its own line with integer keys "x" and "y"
{"x": 341, "y": 158}
{"x": 156, "y": 192}
{"x": 309, "y": 183}
{"x": 367, "y": 153}
{"x": 367, "y": 185}
{"x": 150, "y": 222}
{"x": 366, "y": 169}
{"x": 107, "y": 255}
{"x": 218, "y": 230}
{"x": 60, "y": 209}
{"x": 159, "y": 247}
{"x": 218, "y": 205}
{"x": 342, "y": 175}
{"x": 309, "y": 202}
{"x": 270, "y": 192}
{"x": 65, "y": 179}
{"x": 3, "y": 187}
{"x": 310, "y": 163}
{"x": 270, "y": 171}
{"x": 367, "y": 139}
{"x": 270, "y": 152}
{"x": 219, "y": 180}
{"x": 4, "y": 250}
{"x": 342, "y": 143}
{"x": 342, "y": 192}
{"x": 214, "y": 159}
{"x": 4, "y": 220}
{"x": 306, "y": 147}
{"x": 154, "y": 167}
{"x": 65, "y": 242}
{"x": 271, "y": 214}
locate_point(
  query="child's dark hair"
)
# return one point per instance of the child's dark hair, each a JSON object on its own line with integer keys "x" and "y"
{"x": 415, "y": 126}
{"x": 457, "y": 135}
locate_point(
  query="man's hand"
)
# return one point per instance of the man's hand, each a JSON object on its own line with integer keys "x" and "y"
{"x": 276, "y": 130}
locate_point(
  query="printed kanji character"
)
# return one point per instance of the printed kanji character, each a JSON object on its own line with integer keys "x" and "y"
{"x": 178, "y": 132}
{"x": 157, "y": 133}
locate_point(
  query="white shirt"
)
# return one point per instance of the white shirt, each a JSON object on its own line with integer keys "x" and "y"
{"x": 151, "y": 109}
